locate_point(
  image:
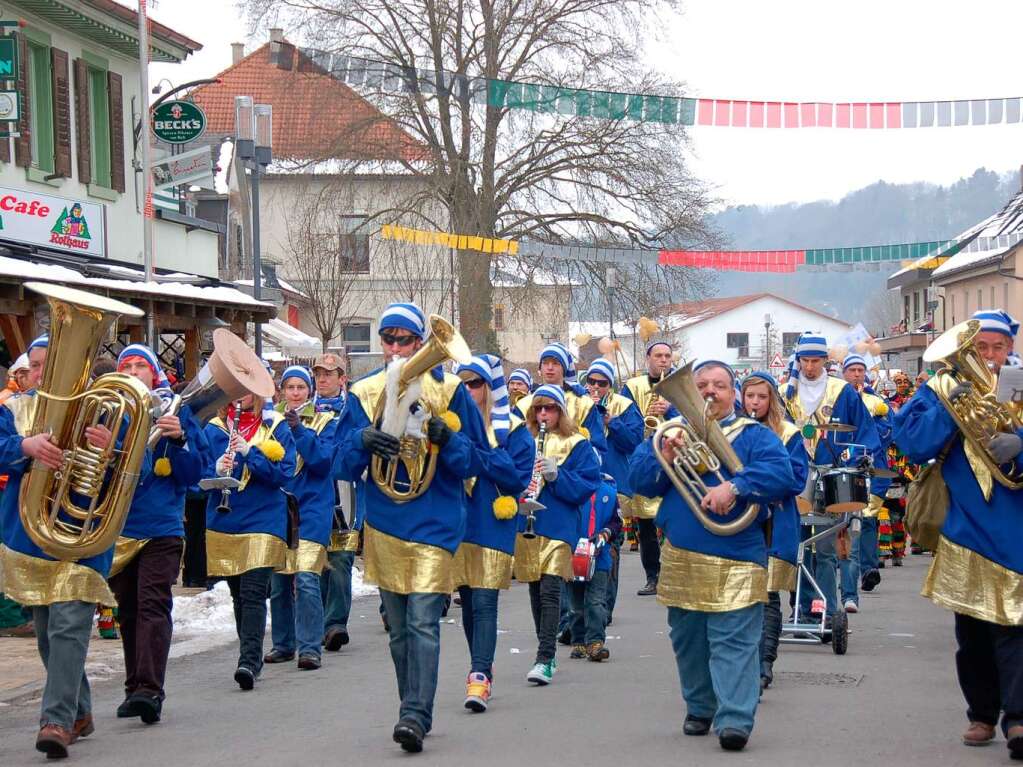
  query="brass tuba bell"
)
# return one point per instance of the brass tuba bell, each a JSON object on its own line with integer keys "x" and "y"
{"x": 415, "y": 455}
{"x": 706, "y": 450}
{"x": 67, "y": 513}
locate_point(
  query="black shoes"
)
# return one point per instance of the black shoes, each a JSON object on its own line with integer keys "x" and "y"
{"x": 245, "y": 678}
{"x": 565, "y": 637}
{"x": 276, "y": 656}
{"x": 870, "y": 580}
{"x": 126, "y": 710}
{"x": 732, "y": 740}
{"x": 694, "y": 725}
{"x": 335, "y": 639}
{"x": 140, "y": 704}
{"x": 649, "y": 590}
{"x": 308, "y": 663}
{"x": 409, "y": 736}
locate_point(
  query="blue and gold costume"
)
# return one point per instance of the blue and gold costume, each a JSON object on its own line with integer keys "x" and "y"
{"x": 640, "y": 389}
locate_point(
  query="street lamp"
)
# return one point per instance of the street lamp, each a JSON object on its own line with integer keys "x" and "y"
{"x": 767, "y": 341}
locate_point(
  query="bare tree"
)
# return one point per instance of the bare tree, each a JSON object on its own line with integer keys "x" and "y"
{"x": 500, "y": 172}
{"x": 883, "y": 311}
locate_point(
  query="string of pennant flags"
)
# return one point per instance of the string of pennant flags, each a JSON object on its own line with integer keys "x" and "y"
{"x": 687, "y": 111}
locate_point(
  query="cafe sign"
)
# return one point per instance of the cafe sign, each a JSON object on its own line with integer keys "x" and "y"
{"x": 60, "y": 223}
{"x": 178, "y": 122}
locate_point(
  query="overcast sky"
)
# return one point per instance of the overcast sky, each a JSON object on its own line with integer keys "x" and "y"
{"x": 797, "y": 50}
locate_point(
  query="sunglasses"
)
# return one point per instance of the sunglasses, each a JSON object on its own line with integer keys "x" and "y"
{"x": 598, "y": 383}
{"x": 546, "y": 408}
{"x": 387, "y": 338}
{"x": 474, "y": 383}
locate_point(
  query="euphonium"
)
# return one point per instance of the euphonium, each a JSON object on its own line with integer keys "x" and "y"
{"x": 414, "y": 453}
{"x": 67, "y": 513}
{"x": 977, "y": 413}
{"x": 651, "y": 421}
{"x": 706, "y": 450}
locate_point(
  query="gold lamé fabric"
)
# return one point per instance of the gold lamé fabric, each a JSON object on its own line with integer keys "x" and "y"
{"x": 641, "y": 507}
{"x": 125, "y": 550}
{"x": 311, "y": 420}
{"x": 578, "y": 407}
{"x": 480, "y": 567}
{"x": 707, "y": 583}
{"x": 781, "y": 576}
{"x": 616, "y": 404}
{"x": 344, "y": 540}
{"x": 236, "y": 553}
{"x": 962, "y": 580}
{"x": 23, "y": 406}
{"x": 309, "y": 557}
{"x": 541, "y": 556}
{"x": 33, "y": 581}
{"x": 406, "y": 567}
{"x": 832, "y": 390}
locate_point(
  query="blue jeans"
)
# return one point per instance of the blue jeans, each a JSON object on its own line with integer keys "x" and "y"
{"x": 866, "y": 552}
{"x": 824, "y": 566}
{"x": 296, "y": 610}
{"x": 718, "y": 658}
{"x": 565, "y": 615}
{"x": 62, "y": 637}
{"x": 589, "y": 609}
{"x": 336, "y": 589}
{"x": 849, "y": 572}
{"x": 415, "y": 651}
{"x": 612, "y": 579}
{"x": 479, "y": 621}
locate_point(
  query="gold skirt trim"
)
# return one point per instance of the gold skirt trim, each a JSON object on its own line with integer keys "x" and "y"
{"x": 966, "y": 582}
{"x": 481, "y": 568}
{"x": 309, "y": 557}
{"x": 230, "y": 554}
{"x": 343, "y": 540}
{"x": 641, "y": 507}
{"x": 541, "y": 556}
{"x": 703, "y": 582}
{"x": 406, "y": 567}
{"x": 125, "y": 550}
{"x": 781, "y": 576}
{"x": 33, "y": 581}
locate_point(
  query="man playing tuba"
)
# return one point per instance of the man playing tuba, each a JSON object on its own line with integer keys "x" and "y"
{"x": 413, "y": 525}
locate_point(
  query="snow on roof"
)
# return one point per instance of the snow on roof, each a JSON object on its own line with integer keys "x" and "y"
{"x": 31, "y": 270}
{"x": 513, "y": 273}
{"x": 291, "y": 339}
{"x": 283, "y": 283}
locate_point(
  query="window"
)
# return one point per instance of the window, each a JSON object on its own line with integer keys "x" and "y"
{"x": 99, "y": 127}
{"x": 916, "y": 306}
{"x": 40, "y": 113}
{"x": 788, "y": 343}
{"x": 740, "y": 342}
{"x": 498, "y": 316}
{"x": 353, "y": 245}
{"x": 905, "y": 309}
{"x": 356, "y": 337}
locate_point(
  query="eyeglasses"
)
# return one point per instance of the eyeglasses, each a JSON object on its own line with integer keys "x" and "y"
{"x": 390, "y": 340}
{"x": 474, "y": 383}
{"x": 546, "y": 408}
{"x": 598, "y": 383}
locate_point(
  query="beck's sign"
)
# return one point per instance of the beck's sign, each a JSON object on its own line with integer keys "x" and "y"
{"x": 178, "y": 122}
{"x": 52, "y": 222}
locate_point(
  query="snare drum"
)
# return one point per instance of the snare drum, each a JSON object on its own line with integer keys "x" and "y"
{"x": 846, "y": 491}
{"x": 584, "y": 560}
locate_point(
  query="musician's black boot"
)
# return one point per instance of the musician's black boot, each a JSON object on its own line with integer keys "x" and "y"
{"x": 649, "y": 590}
{"x": 245, "y": 678}
{"x": 146, "y": 706}
{"x": 409, "y": 735}
{"x": 870, "y": 580}
{"x": 695, "y": 725}
{"x": 126, "y": 710}
{"x": 732, "y": 740}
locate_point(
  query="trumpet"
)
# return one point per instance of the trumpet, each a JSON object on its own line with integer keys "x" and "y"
{"x": 529, "y": 505}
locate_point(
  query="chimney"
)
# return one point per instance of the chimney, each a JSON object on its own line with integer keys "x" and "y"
{"x": 276, "y": 35}
{"x": 237, "y": 52}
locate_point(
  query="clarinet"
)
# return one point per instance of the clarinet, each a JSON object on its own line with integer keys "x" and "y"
{"x": 541, "y": 439}
{"x": 225, "y": 494}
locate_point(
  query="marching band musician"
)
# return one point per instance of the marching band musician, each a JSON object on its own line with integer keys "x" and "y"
{"x": 248, "y": 541}
{"x": 520, "y": 383}
{"x": 483, "y": 562}
{"x": 566, "y": 474}
{"x": 296, "y": 605}
{"x": 409, "y": 546}
{"x": 813, "y": 397}
{"x": 62, "y": 594}
{"x": 147, "y": 557}
{"x": 762, "y": 402}
{"x": 977, "y": 571}
{"x": 862, "y": 565}
{"x": 643, "y": 510}
{"x": 714, "y": 586}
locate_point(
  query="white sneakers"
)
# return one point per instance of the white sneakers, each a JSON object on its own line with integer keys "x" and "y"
{"x": 850, "y": 607}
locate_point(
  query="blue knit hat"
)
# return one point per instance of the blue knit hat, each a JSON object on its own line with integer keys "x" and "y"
{"x": 716, "y": 364}
{"x": 522, "y": 375}
{"x": 652, "y": 344}
{"x": 141, "y": 350}
{"x": 561, "y": 354}
{"x": 407, "y": 316}
{"x": 602, "y": 367}
{"x": 811, "y": 345}
{"x": 552, "y": 392}
{"x": 997, "y": 321}
{"x": 297, "y": 371}
{"x": 761, "y": 375}
{"x": 40, "y": 343}
{"x": 853, "y": 359}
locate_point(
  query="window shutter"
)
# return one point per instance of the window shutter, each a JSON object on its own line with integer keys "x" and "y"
{"x": 117, "y": 131}
{"x": 61, "y": 113}
{"x": 83, "y": 125}
{"x": 23, "y": 144}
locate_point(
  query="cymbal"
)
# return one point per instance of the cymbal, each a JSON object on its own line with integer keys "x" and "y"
{"x": 882, "y": 473}
{"x": 810, "y": 429}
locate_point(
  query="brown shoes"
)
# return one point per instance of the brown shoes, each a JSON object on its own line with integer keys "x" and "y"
{"x": 978, "y": 734}
{"x": 53, "y": 741}
{"x": 596, "y": 652}
{"x": 83, "y": 728}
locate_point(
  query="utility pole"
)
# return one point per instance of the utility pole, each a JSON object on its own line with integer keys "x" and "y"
{"x": 147, "y": 171}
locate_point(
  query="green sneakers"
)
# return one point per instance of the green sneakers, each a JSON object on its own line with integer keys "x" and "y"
{"x": 542, "y": 673}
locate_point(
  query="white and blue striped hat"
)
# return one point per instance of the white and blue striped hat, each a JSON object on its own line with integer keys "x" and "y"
{"x": 488, "y": 367}
{"x": 562, "y": 355}
{"x": 811, "y": 345}
{"x": 550, "y": 391}
{"x": 997, "y": 321}
{"x": 407, "y": 316}
{"x": 1013, "y": 360}
{"x": 602, "y": 367}
{"x": 521, "y": 374}
{"x": 141, "y": 350}
{"x": 40, "y": 343}
{"x": 853, "y": 359}
{"x": 297, "y": 371}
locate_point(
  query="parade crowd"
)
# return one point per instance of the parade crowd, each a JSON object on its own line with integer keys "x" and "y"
{"x": 468, "y": 479}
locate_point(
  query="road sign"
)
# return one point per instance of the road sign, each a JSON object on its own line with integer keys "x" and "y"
{"x": 178, "y": 122}
{"x": 8, "y": 58}
{"x": 776, "y": 361}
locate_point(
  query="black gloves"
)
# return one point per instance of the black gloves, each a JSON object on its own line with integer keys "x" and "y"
{"x": 291, "y": 416}
{"x": 438, "y": 431}
{"x": 379, "y": 443}
{"x": 960, "y": 390}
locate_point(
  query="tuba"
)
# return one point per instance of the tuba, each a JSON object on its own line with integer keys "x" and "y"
{"x": 415, "y": 453}
{"x": 66, "y": 512}
{"x": 977, "y": 413}
{"x": 705, "y": 450}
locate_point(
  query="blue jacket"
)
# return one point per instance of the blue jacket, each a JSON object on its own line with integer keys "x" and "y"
{"x": 506, "y": 471}
{"x": 785, "y": 533}
{"x": 578, "y": 478}
{"x": 313, "y": 485}
{"x": 604, "y": 506}
{"x": 624, "y": 433}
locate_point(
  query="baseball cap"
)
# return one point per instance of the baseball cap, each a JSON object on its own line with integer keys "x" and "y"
{"x": 328, "y": 362}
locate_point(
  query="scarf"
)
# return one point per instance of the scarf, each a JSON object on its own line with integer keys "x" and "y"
{"x": 811, "y": 393}
{"x": 248, "y": 422}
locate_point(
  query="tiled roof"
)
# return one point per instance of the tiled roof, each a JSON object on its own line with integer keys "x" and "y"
{"x": 699, "y": 311}
{"x": 315, "y": 117}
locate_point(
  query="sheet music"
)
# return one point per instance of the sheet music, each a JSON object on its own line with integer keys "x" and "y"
{"x": 1010, "y": 385}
